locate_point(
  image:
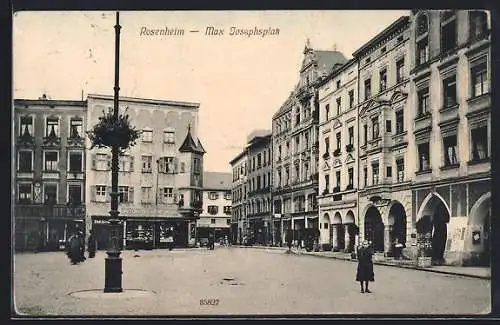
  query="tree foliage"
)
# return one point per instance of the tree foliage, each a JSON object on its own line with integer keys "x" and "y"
{"x": 111, "y": 131}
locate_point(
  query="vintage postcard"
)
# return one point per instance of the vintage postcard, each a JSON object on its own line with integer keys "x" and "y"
{"x": 193, "y": 163}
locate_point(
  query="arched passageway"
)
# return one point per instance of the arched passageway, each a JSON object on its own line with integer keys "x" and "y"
{"x": 397, "y": 220}
{"x": 477, "y": 241}
{"x": 374, "y": 229}
{"x": 350, "y": 232}
{"x": 337, "y": 233}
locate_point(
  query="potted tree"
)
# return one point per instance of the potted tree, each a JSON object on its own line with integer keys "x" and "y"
{"x": 110, "y": 131}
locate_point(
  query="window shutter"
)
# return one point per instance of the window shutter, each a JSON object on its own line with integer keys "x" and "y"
{"x": 93, "y": 192}
{"x": 174, "y": 191}
{"x": 108, "y": 193}
{"x": 131, "y": 194}
{"x": 176, "y": 165}
{"x": 93, "y": 158}
{"x": 131, "y": 161}
{"x": 108, "y": 159}
{"x": 160, "y": 195}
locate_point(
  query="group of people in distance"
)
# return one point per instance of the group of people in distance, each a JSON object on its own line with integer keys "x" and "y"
{"x": 75, "y": 248}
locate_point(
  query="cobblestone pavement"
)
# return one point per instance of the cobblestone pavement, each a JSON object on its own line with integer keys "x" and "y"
{"x": 244, "y": 282}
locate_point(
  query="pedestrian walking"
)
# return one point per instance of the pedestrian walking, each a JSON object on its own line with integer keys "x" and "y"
{"x": 364, "y": 273}
{"x": 91, "y": 244}
{"x": 211, "y": 241}
{"x": 81, "y": 238}
{"x": 74, "y": 248}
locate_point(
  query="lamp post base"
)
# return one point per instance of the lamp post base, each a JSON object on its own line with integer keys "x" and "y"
{"x": 113, "y": 269}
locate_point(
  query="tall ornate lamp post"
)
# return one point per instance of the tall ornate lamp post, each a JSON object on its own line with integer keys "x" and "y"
{"x": 113, "y": 266}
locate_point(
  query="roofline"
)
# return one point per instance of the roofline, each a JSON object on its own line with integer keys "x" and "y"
{"x": 50, "y": 102}
{"x": 218, "y": 188}
{"x": 259, "y": 139}
{"x": 241, "y": 154}
{"x": 395, "y": 25}
{"x": 147, "y": 101}
{"x": 336, "y": 72}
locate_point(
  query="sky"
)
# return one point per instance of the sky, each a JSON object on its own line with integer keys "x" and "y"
{"x": 239, "y": 81}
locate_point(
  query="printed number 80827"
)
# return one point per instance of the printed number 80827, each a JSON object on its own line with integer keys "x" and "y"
{"x": 213, "y": 302}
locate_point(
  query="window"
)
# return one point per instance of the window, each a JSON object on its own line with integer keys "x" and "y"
{"x": 75, "y": 162}
{"x": 213, "y": 195}
{"x": 100, "y": 193}
{"x": 126, "y": 163}
{"x": 327, "y": 111}
{"x": 25, "y": 163}
{"x": 259, "y": 160}
{"x": 400, "y": 65}
{"x": 124, "y": 194}
{"x": 279, "y": 152}
{"x": 50, "y": 193}
{"x": 338, "y": 84}
{"x": 423, "y": 156}
{"x": 337, "y": 178}
{"x": 227, "y": 209}
{"x": 51, "y": 160}
{"x": 212, "y": 221}
{"x": 478, "y": 24}
{"x": 146, "y": 195}
{"x": 26, "y": 126}
{"x": 479, "y": 137}
{"x": 146, "y": 163}
{"x": 287, "y": 176}
{"x": 258, "y": 183}
{"x": 339, "y": 140}
{"x": 147, "y": 136}
{"x": 450, "y": 91}
{"x": 166, "y": 165}
{"x": 197, "y": 165}
{"x": 399, "y": 121}
{"x": 228, "y": 221}
{"x": 168, "y": 193}
{"x": 400, "y": 167}
{"x": 102, "y": 162}
{"x": 365, "y": 133}
{"x": 297, "y": 118}
{"x": 365, "y": 175}
{"x": 327, "y": 145}
{"x": 24, "y": 193}
{"x": 351, "y": 98}
{"x": 388, "y": 126}
{"x": 75, "y": 193}
{"x": 350, "y": 172}
{"x": 368, "y": 88}
{"x": 368, "y": 60}
{"x": 168, "y": 136}
{"x": 383, "y": 79}
{"x": 448, "y": 32}
{"x": 375, "y": 128}
{"x": 422, "y": 51}
{"x": 213, "y": 209}
{"x": 351, "y": 135}
{"x": 76, "y": 128}
{"x": 388, "y": 171}
{"x": 423, "y": 102}
{"x": 450, "y": 150}
{"x": 479, "y": 78}
{"x": 306, "y": 140}
{"x": 375, "y": 170}
{"x": 339, "y": 104}
{"x": 422, "y": 25}
{"x": 327, "y": 183}
{"x": 52, "y": 127}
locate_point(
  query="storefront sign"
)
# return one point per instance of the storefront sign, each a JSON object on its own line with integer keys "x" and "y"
{"x": 99, "y": 221}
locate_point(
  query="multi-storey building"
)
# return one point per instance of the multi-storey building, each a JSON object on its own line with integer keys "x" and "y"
{"x": 295, "y": 147}
{"x": 338, "y": 166}
{"x": 160, "y": 178}
{"x": 384, "y": 153}
{"x": 450, "y": 126}
{"x": 216, "y": 214}
{"x": 239, "y": 197}
{"x": 259, "y": 189}
{"x": 49, "y": 164}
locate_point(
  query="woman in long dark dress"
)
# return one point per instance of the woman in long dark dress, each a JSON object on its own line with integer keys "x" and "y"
{"x": 365, "y": 267}
{"x": 74, "y": 249}
{"x": 91, "y": 246}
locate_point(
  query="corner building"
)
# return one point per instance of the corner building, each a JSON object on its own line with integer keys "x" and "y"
{"x": 338, "y": 158}
{"x": 160, "y": 179}
{"x": 450, "y": 102}
{"x": 296, "y": 148}
{"x": 239, "y": 165}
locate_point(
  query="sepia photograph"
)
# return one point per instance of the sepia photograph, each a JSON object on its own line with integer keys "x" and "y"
{"x": 251, "y": 163}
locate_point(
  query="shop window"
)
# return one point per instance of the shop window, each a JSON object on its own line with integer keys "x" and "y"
{"x": 479, "y": 139}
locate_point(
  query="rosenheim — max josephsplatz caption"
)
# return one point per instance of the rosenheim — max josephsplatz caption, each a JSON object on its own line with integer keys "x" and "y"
{"x": 211, "y": 31}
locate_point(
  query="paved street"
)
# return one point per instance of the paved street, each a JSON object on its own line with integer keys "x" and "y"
{"x": 245, "y": 281}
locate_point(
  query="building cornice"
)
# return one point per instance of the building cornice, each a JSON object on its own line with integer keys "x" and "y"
{"x": 190, "y": 105}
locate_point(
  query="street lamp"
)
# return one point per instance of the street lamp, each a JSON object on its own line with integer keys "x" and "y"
{"x": 113, "y": 265}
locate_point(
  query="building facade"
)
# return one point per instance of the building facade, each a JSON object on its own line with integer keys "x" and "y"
{"x": 239, "y": 165}
{"x": 295, "y": 149}
{"x": 160, "y": 178}
{"x": 338, "y": 156}
{"x": 259, "y": 190}
{"x": 384, "y": 152}
{"x": 450, "y": 98}
{"x": 49, "y": 165}
{"x": 216, "y": 214}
